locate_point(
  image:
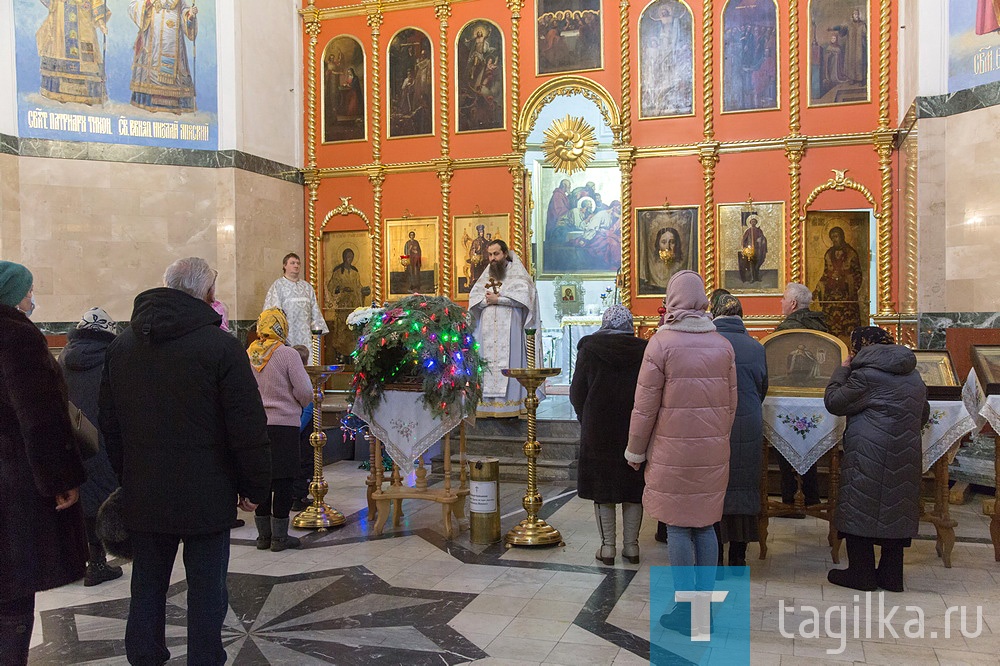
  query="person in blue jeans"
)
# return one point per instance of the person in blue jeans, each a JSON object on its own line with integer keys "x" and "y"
{"x": 186, "y": 433}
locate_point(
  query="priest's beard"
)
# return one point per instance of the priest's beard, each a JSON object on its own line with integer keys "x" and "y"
{"x": 498, "y": 270}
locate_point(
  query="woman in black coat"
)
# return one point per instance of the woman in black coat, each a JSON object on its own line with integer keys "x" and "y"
{"x": 602, "y": 393}
{"x": 739, "y": 515}
{"x": 82, "y": 361}
{"x": 43, "y": 544}
{"x": 885, "y": 401}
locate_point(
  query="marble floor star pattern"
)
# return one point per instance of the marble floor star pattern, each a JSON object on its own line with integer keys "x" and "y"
{"x": 412, "y": 597}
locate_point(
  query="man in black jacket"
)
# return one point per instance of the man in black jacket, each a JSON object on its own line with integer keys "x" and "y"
{"x": 186, "y": 433}
{"x": 795, "y": 306}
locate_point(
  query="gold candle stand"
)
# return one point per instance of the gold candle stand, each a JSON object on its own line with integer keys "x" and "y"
{"x": 532, "y": 531}
{"x": 319, "y": 515}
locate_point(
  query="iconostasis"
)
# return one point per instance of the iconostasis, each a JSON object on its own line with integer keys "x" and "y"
{"x": 750, "y": 140}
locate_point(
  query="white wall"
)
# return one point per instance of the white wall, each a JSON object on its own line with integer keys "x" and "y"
{"x": 922, "y": 51}
{"x": 8, "y": 89}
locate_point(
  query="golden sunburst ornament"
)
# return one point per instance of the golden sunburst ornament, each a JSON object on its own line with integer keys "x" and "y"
{"x": 570, "y": 144}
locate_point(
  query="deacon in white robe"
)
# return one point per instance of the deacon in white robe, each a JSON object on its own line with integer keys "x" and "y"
{"x": 298, "y": 300}
{"x": 500, "y": 323}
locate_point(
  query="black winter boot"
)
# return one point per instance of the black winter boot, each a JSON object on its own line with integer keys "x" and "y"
{"x": 98, "y": 569}
{"x": 860, "y": 571}
{"x": 661, "y": 532}
{"x": 737, "y": 553}
{"x": 15, "y": 638}
{"x": 890, "y": 568}
{"x": 279, "y": 536}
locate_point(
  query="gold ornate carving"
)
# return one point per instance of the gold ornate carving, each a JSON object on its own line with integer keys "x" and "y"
{"x": 794, "y": 150}
{"x": 883, "y": 145}
{"x": 376, "y": 176}
{"x": 570, "y": 144}
{"x": 363, "y": 7}
{"x": 708, "y": 81}
{"x": 626, "y": 161}
{"x": 443, "y": 12}
{"x": 839, "y": 183}
{"x": 375, "y": 23}
{"x": 884, "y": 61}
{"x": 312, "y": 25}
{"x": 567, "y": 86}
{"x": 312, "y": 186}
{"x": 515, "y": 7}
{"x": 909, "y": 268}
{"x": 626, "y": 114}
{"x": 516, "y": 168}
{"x": 344, "y": 209}
{"x": 794, "y": 85}
{"x": 709, "y": 158}
{"x": 445, "y": 174}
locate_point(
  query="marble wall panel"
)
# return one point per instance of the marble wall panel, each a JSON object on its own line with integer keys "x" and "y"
{"x": 10, "y": 208}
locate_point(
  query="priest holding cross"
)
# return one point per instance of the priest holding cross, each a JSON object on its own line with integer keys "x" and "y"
{"x": 504, "y": 302}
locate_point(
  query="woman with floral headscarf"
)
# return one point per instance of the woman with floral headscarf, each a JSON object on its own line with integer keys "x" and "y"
{"x": 884, "y": 399}
{"x": 285, "y": 388}
{"x": 602, "y": 392}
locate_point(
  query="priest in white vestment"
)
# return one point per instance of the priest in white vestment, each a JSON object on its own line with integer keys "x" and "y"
{"x": 500, "y": 322}
{"x": 298, "y": 300}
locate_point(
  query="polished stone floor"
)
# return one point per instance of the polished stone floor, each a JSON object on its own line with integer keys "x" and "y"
{"x": 412, "y": 597}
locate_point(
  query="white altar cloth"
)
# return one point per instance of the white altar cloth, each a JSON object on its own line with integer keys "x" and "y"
{"x": 801, "y": 429}
{"x": 949, "y": 421}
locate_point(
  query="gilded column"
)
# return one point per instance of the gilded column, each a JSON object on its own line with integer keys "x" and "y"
{"x": 794, "y": 146}
{"x": 313, "y": 26}
{"x": 883, "y": 140}
{"x": 376, "y": 176}
{"x": 626, "y": 110}
{"x": 516, "y": 167}
{"x": 909, "y": 304}
{"x": 626, "y": 161}
{"x": 708, "y": 155}
{"x": 443, "y": 12}
{"x": 708, "y": 71}
{"x": 444, "y": 172}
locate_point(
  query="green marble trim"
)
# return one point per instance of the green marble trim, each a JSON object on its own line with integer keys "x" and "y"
{"x": 109, "y": 152}
{"x": 960, "y": 101}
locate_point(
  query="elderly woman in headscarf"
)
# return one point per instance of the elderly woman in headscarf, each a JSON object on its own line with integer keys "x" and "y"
{"x": 742, "y": 505}
{"x": 602, "y": 392}
{"x": 685, "y": 402}
{"x": 884, "y": 399}
{"x": 285, "y": 388}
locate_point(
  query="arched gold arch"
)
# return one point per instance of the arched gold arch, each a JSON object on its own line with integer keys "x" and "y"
{"x": 839, "y": 183}
{"x": 565, "y": 86}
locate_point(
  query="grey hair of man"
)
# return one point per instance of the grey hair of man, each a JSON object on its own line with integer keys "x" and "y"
{"x": 193, "y": 276}
{"x": 799, "y": 293}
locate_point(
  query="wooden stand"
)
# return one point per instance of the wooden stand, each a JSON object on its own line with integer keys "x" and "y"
{"x": 452, "y": 501}
{"x": 940, "y": 517}
{"x": 823, "y": 510}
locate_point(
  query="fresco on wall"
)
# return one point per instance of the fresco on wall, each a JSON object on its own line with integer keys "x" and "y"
{"x": 666, "y": 85}
{"x": 837, "y": 259}
{"x": 750, "y": 65}
{"x": 343, "y": 90}
{"x": 667, "y": 242}
{"x": 579, "y": 218}
{"x": 974, "y": 43}
{"x": 117, "y": 71}
{"x": 568, "y": 34}
{"x": 411, "y": 84}
{"x": 839, "y": 52}
{"x": 480, "y": 71}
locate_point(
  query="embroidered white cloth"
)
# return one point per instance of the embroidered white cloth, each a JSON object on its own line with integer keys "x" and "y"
{"x": 405, "y": 425}
{"x": 984, "y": 408}
{"x": 949, "y": 422}
{"x": 801, "y": 429}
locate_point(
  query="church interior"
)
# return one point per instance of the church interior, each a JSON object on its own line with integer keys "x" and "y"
{"x": 839, "y": 144}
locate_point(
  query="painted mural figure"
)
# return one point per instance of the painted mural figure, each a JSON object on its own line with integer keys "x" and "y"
{"x": 70, "y": 51}
{"x": 838, "y": 289}
{"x": 569, "y": 35}
{"x": 411, "y": 250}
{"x": 344, "y": 293}
{"x": 161, "y": 74}
{"x": 856, "y": 50}
{"x": 410, "y": 84}
{"x": 753, "y": 251}
{"x": 987, "y": 16}
{"x": 666, "y": 85}
{"x": 558, "y": 206}
{"x": 749, "y": 45}
{"x": 480, "y": 77}
{"x": 343, "y": 89}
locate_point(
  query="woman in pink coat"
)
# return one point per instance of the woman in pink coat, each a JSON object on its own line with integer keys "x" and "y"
{"x": 685, "y": 401}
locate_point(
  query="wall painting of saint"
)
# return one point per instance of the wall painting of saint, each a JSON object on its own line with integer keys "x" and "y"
{"x": 344, "y": 90}
{"x": 666, "y": 84}
{"x": 347, "y": 278}
{"x": 666, "y": 243}
{"x": 411, "y": 250}
{"x": 411, "y": 84}
{"x": 472, "y": 236}
{"x": 479, "y": 83}
{"x": 750, "y": 62}
{"x": 839, "y": 52}
{"x": 751, "y": 248}
{"x": 568, "y": 35}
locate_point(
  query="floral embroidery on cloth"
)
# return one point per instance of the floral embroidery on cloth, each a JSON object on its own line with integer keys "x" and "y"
{"x": 802, "y": 425}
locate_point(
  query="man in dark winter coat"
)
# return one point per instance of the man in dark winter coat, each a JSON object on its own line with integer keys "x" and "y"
{"x": 187, "y": 434}
{"x": 795, "y": 306}
{"x": 739, "y": 514}
{"x": 602, "y": 393}
{"x": 82, "y": 361}
{"x": 885, "y": 402}
{"x": 43, "y": 544}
